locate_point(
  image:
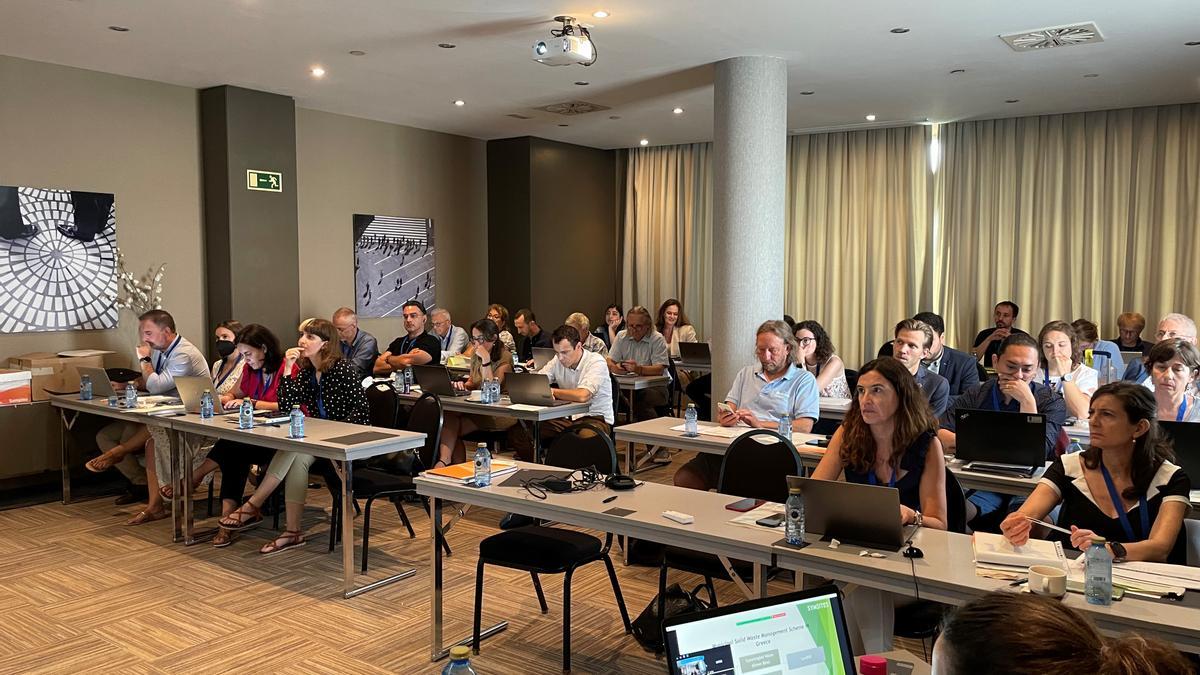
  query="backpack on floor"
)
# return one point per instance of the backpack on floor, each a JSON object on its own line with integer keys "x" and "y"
{"x": 647, "y": 628}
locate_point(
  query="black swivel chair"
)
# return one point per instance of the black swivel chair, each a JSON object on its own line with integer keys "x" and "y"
{"x": 540, "y": 549}
{"x": 922, "y": 620}
{"x": 750, "y": 469}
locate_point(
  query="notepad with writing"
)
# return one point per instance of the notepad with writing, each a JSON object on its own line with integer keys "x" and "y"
{"x": 465, "y": 472}
{"x": 994, "y": 550}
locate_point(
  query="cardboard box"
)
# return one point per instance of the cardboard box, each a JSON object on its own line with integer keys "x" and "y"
{"x": 53, "y": 372}
{"x": 15, "y": 386}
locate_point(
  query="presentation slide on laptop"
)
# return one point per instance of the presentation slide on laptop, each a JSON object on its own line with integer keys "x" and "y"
{"x": 797, "y": 637}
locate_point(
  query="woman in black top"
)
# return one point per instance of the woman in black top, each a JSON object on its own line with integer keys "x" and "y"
{"x": 1123, "y": 487}
{"x": 614, "y": 322}
{"x": 327, "y": 386}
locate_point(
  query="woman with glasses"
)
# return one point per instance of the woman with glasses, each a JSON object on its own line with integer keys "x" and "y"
{"x": 1170, "y": 327}
{"x": 491, "y": 360}
{"x": 818, "y": 357}
{"x": 1174, "y": 368}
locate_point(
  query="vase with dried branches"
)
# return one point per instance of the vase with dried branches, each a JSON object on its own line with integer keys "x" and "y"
{"x": 138, "y": 295}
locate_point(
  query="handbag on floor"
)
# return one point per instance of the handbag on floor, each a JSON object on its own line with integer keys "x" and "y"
{"x": 647, "y": 628}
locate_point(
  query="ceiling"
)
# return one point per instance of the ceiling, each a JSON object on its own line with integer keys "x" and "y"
{"x": 653, "y": 56}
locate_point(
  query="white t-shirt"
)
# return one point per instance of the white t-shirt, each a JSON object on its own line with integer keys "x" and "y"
{"x": 1087, "y": 379}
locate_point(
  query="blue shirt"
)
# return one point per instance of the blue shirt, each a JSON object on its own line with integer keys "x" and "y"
{"x": 794, "y": 394}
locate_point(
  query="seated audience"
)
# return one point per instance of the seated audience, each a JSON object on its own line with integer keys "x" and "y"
{"x": 640, "y": 350}
{"x": 1106, "y": 356}
{"x": 328, "y": 387}
{"x": 1004, "y": 633}
{"x": 591, "y": 342}
{"x": 1061, "y": 367}
{"x": 911, "y": 347}
{"x": 531, "y": 334}
{"x": 499, "y": 316}
{"x": 415, "y": 348}
{"x": 1123, "y": 488}
{"x": 491, "y": 360}
{"x": 674, "y": 326}
{"x": 987, "y": 342}
{"x": 453, "y": 339}
{"x": 228, "y": 368}
{"x": 959, "y": 369}
{"x": 1013, "y": 389}
{"x": 614, "y": 323}
{"x": 1174, "y": 368}
{"x": 761, "y": 394}
{"x": 1129, "y": 333}
{"x": 889, "y": 437}
{"x": 578, "y": 375}
{"x": 818, "y": 357}
{"x": 1171, "y": 326}
{"x": 358, "y": 346}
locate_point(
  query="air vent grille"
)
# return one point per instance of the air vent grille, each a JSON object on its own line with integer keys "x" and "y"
{"x": 1057, "y": 36}
{"x": 573, "y": 108}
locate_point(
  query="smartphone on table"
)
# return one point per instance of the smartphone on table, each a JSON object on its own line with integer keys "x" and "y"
{"x": 773, "y": 520}
{"x": 743, "y": 505}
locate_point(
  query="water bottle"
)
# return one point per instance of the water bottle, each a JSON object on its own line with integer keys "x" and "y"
{"x": 691, "y": 427}
{"x": 407, "y": 381}
{"x": 483, "y": 466}
{"x": 206, "y": 405}
{"x": 785, "y": 426}
{"x": 85, "y": 387}
{"x": 1098, "y": 573}
{"x": 1110, "y": 373}
{"x": 246, "y": 414}
{"x": 495, "y": 390}
{"x": 516, "y": 363}
{"x": 296, "y": 422}
{"x": 794, "y": 520}
{"x": 130, "y": 395}
{"x": 460, "y": 661}
{"x": 1074, "y": 447}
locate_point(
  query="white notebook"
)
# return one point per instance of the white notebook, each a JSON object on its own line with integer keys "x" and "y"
{"x": 994, "y": 549}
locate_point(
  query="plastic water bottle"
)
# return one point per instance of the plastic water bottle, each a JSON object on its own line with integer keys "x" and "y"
{"x": 794, "y": 520}
{"x": 1098, "y": 573}
{"x": 85, "y": 387}
{"x": 406, "y": 381}
{"x": 516, "y": 362}
{"x": 130, "y": 395}
{"x": 460, "y": 661}
{"x": 785, "y": 426}
{"x": 496, "y": 390}
{"x": 206, "y": 405}
{"x": 1110, "y": 373}
{"x": 483, "y": 465}
{"x": 296, "y": 422}
{"x": 1074, "y": 447}
{"x": 691, "y": 427}
{"x": 246, "y": 414}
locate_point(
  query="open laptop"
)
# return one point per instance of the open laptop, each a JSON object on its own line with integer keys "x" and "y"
{"x": 1185, "y": 436}
{"x": 852, "y": 513}
{"x": 800, "y": 632}
{"x": 1131, "y": 356}
{"x": 531, "y": 389}
{"x": 191, "y": 388}
{"x": 1005, "y": 443}
{"x": 436, "y": 379}
{"x": 695, "y": 352}
{"x": 541, "y": 356}
{"x": 101, "y": 385}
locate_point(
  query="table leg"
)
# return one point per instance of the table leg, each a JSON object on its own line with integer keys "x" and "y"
{"x": 437, "y": 651}
{"x": 345, "y": 470}
{"x": 537, "y": 441}
{"x": 66, "y": 453}
{"x": 178, "y": 528}
{"x": 183, "y": 493}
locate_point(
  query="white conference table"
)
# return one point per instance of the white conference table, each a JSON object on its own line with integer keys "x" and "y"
{"x": 711, "y": 532}
{"x": 946, "y": 574}
{"x": 833, "y": 408}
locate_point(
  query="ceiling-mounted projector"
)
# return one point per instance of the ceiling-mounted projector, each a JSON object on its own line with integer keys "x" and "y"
{"x": 570, "y": 44}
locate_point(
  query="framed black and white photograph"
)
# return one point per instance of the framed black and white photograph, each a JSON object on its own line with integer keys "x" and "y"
{"x": 393, "y": 263}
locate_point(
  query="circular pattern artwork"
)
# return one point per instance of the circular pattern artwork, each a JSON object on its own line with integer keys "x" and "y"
{"x": 62, "y": 275}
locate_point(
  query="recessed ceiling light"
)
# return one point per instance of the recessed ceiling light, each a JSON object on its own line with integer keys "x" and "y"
{"x": 447, "y": 45}
{"x": 644, "y": 142}
{"x": 317, "y": 71}
{"x": 678, "y": 111}
{"x": 958, "y": 71}
{"x": 600, "y": 14}
{"x": 1193, "y": 43}
{"x": 899, "y": 31}
{"x": 564, "y": 125}
{"x": 1092, "y": 75}
{"x": 807, "y": 93}
{"x": 357, "y": 52}
{"x": 870, "y": 118}
{"x": 459, "y": 102}
{"x": 582, "y": 83}
{"x": 1012, "y": 100}
{"x": 119, "y": 29}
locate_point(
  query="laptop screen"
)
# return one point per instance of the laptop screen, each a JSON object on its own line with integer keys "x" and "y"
{"x": 802, "y": 632}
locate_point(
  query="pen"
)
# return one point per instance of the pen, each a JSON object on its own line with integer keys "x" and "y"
{"x": 1045, "y": 524}
{"x": 609, "y": 499}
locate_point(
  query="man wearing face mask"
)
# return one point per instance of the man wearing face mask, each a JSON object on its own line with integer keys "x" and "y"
{"x": 227, "y": 369}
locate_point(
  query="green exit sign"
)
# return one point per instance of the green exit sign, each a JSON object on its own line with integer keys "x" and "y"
{"x": 264, "y": 181}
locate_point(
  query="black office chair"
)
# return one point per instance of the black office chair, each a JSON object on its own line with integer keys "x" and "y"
{"x": 922, "y": 620}
{"x": 851, "y": 381}
{"x": 750, "y": 469}
{"x": 540, "y": 549}
{"x": 383, "y": 405}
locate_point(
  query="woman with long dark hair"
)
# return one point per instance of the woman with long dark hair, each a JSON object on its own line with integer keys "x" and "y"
{"x": 1123, "y": 487}
{"x": 491, "y": 360}
{"x": 818, "y": 357}
{"x": 614, "y": 322}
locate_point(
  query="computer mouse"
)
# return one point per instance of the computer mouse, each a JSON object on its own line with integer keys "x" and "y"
{"x": 913, "y": 552}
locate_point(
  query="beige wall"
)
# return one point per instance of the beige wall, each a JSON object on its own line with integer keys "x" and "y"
{"x": 77, "y": 129}
{"x": 347, "y": 165}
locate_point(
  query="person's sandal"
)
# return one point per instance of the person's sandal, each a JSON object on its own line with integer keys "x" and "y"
{"x": 100, "y": 464}
{"x": 144, "y": 517}
{"x": 290, "y": 539}
{"x": 222, "y": 538}
{"x": 247, "y": 516}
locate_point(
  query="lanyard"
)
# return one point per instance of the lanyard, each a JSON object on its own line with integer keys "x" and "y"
{"x": 446, "y": 340}
{"x": 1046, "y": 380}
{"x": 1120, "y": 507}
{"x": 164, "y": 356}
{"x": 996, "y": 397}
{"x": 264, "y": 385}
{"x": 320, "y": 400}
{"x": 872, "y": 480}
{"x": 230, "y": 372}
{"x": 1182, "y": 410}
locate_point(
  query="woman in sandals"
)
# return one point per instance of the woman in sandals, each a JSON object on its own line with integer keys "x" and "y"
{"x": 329, "y": 387}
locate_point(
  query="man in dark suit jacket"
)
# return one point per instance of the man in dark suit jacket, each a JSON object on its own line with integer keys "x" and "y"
{"x": 911, "y": 345}
{"x": 958, "y": 368}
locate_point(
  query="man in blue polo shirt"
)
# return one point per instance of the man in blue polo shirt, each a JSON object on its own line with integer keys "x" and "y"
{"x": 1013, "y": 390}
{"x": 761, "y": 394}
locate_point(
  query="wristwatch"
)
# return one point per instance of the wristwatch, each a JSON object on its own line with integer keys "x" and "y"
{"x": 145, "y": 359}
{"x": 1066, "y": 377}
{"x": 1118, "y": 551}
{"x": 918, "y": 519}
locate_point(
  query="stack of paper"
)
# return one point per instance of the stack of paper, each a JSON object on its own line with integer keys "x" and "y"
{"x": 712, "y": 430}
{"x": 748, "y": 518}
{"x": 993, "y": 553}
{"x": 465, "y": 472}
{"x": 1144, "y": 578}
